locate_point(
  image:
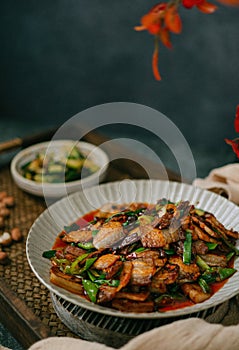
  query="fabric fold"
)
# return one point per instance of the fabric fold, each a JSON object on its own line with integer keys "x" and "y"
{"x": 188, "y": 334}
{"x": 223, "y": 180}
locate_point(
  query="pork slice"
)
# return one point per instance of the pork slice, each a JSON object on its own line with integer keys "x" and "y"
{"x": 214, "y": 259}
{"x": 76, "y": 251}
{"x": 125, "y": 275}
{"x": 167, "y": 275}
{"x": 142, "y": 296}
{"x": 78, "y": 236}
{"x": 106, "y": 294}
{"x": 194, "y": 292}
{"x": 68, "y": 282}
{"x": 143, "y": 271}
{"x": 152, "y": 237}
{"x": 159, "y": 261}
{"x": 126, "y": 305}
{"x": 105, "y": 261}
{"x": 200, "y": 247}
{"x": 187, "y": 273}
{"x": 108, "y": 235}
{"x": 113, "y": 269}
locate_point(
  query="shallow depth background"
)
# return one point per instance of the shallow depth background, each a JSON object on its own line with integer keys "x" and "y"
{"x": 61, "y": 57}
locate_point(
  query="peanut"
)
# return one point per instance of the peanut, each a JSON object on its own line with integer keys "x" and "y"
{"x": 3, "y": 194}
{"x": 3, "y": 258}
{"x": 2, "y": 205}
{"x": 5, "y": 239}
{"x": 8, "y": 201}
{"x": 4, "y": 212}
{"x": 16, "y": 234}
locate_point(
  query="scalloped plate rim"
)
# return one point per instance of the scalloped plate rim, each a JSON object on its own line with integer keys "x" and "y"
{"x": 32, "y": 244}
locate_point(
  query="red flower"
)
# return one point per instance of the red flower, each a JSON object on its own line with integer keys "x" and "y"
{"x": 202, "y": 5}
{"x": 229, "y": 2}
{"x": 160, "y": 21}
{"x": 236, "y": 122}
{"x": 235, "y": 143}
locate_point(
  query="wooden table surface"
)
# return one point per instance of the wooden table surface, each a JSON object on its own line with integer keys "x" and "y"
{"x": 25, "y": 305}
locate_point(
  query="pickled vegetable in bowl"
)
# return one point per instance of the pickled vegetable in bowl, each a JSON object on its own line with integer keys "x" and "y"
{"x": 59, "y": 165}
{"x": 57, "y": 168}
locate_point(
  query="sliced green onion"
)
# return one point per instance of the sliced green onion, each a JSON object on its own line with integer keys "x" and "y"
{"x": 209, "y": 276}
{"x": 187, "y": 248}
{"x": 74, "y": 270}
{"x": 230, "y": 255}
{"x": 169, "y": 251}
{"x": 111, "y": 283}
{"x": 91, "y": 289}
{"x": 49, "y": 254}
{"x": 86, "y": 246}
{"x": 88, "y": 264}
{"x": 225, "y": 273}
{"x": 139, "y": 250}
{"x": 199, "y": 212}
{"x": 202, "y": 264}
{"x": 211, "y": 246}
{"x": 203, "y": 284}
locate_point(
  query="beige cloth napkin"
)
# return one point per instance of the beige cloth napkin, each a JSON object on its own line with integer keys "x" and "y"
{"x": 223, "y": 180}
{"x": 189, "y": 334}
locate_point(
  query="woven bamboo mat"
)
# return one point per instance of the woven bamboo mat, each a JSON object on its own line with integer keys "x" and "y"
{"x": 18, "y": 275}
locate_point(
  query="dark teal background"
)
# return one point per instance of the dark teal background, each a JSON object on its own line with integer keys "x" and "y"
{"x": 60, "y": 57}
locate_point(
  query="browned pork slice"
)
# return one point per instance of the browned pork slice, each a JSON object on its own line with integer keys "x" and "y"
{"x": 154, "y": 255}
{"x": 156, "y": 238}
{"x": 211, "y": 219}
{"x": 125, "y": 274}
{"x": 200, "y": 223}
{"x": 181, "y": 214}
{"x": 198, "y": 233}
{"x": 127, "y": 305}
{"x": 200, "y": 247}
{"x": 105, "y": 261}
{"x": 73, "y": 250}
{"x": 142, "y": 296}
{"x": 68, "y": 282}
{"x": 167, "y": 275}
{"x": 78, "y": 236}
{"x": 109, "y": 233}
{"x": 195, "y": 293}
{"x": 187, "y": 273}
{"x": 106, "y": 294}
{"x": 215, "y": 260}
{"x": 113, "y": 269}
{"x": 143, "y": 271}
{"x": 69, "y": 252}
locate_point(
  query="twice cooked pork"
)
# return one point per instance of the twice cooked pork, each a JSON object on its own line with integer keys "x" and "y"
{"x": 144, "y": 257}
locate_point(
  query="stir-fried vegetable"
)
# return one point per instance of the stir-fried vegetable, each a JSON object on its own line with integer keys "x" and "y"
{"x": 187, "y": 248}
{"x": 62, "y": 165}
{"x": 145, "y": 257}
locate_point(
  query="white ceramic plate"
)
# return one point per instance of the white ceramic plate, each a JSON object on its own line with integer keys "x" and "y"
{"x": 45, "y": 229}
{"x": 58, "y": 190}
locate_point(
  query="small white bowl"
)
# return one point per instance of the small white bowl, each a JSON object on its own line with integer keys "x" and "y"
{"x": 58, "y": 190}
